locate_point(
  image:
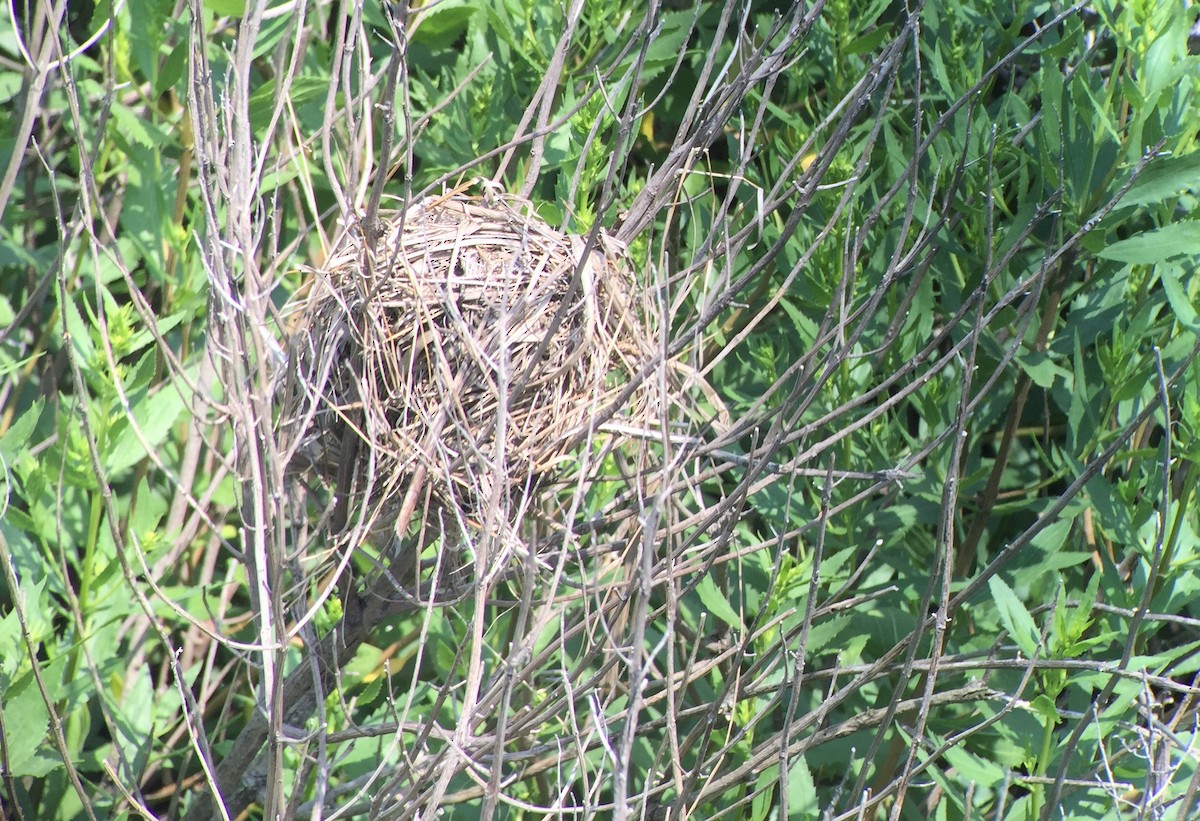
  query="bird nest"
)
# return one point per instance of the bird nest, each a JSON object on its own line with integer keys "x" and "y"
{"x": 467, "y": 353}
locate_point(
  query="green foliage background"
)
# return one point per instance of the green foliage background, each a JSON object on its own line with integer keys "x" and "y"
{"x": 945, "y": 562}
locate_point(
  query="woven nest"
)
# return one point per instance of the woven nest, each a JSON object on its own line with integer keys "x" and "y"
{"x": 468, "y": 352}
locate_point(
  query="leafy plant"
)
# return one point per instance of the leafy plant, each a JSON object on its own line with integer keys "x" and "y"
{"x": 927, "y": 548}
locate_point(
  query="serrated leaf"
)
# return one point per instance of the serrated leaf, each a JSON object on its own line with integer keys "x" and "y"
{"x": 1115, "y": 518}
{"x": 17, "y": 436}
{"x": 137, "y": 129}
{"x": 1015, "y": 617}
{"x": 801, "y": 790}
{"x": 11, "y": 647}
{"x": 822, "y": 634}
{"x": 26, "y": 722}
{"x": 145, "y": 34}
{"x": 1164, "y": 179}
{"x": 153, "y": 417}
{"x": 144, "y": 337}
{"x": 1152, "y": 247}
{"x": 77, "y": 333}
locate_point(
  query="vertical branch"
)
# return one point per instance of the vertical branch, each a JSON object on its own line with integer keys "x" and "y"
{"x": 239, "y": 346}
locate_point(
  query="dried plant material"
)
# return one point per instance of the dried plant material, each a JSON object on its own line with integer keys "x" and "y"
{"x": 467, "y": 353}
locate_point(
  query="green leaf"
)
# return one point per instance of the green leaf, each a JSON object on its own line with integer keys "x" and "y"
{"x": 12, "y": 645}
{"x": 716, "y": 602}
{"x": 272, "y": 31}
{"x": 1053, "y": 541}
{"x": 145, "y": 32}
{"x": 135, "y": 720}
{"x": 77, "y": 333}
{"x": 136, "y": 129}
{"x": 868, "y": 42}
{"x": 163, "y": 324}
{"x": 1188, "y": 659}
{"x": 1016, "y": 618}
{"x": 1050, "y": 128}
{"x": 1165, "y": 62}
{"x": 977, "y": 768}
{"x": 438, "y": 25}
{"x": 1163, "y": 179}
{"x": 1079, "y": 409}
{"x": 1115, "y": 518}
{"x": 28, "y": 560}
{"x": 173, "y": 68}
{"x": 823, "y": 634}
{"x": 1152, "y": 247}
{"x": 303, "y": 90}
{"x": 801, "y": 790}
{"x": 153, "y": 417}
{"x": 226, "y": 8}
{"x": 1181, "y": 304}
{"x": 664, "y": 50}
{"x": 26, "y": 723}
{"x": 764, "y": 795}
{"x": 1043, "y": 370}
{"x": 1043, "y": 705}
{"x": 13, "y": 443}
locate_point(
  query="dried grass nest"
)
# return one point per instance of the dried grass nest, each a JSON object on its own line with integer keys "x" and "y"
{"x": 468, "y": 352}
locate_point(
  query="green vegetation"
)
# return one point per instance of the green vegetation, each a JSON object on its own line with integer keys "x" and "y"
{"x": 928, "y": 546}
